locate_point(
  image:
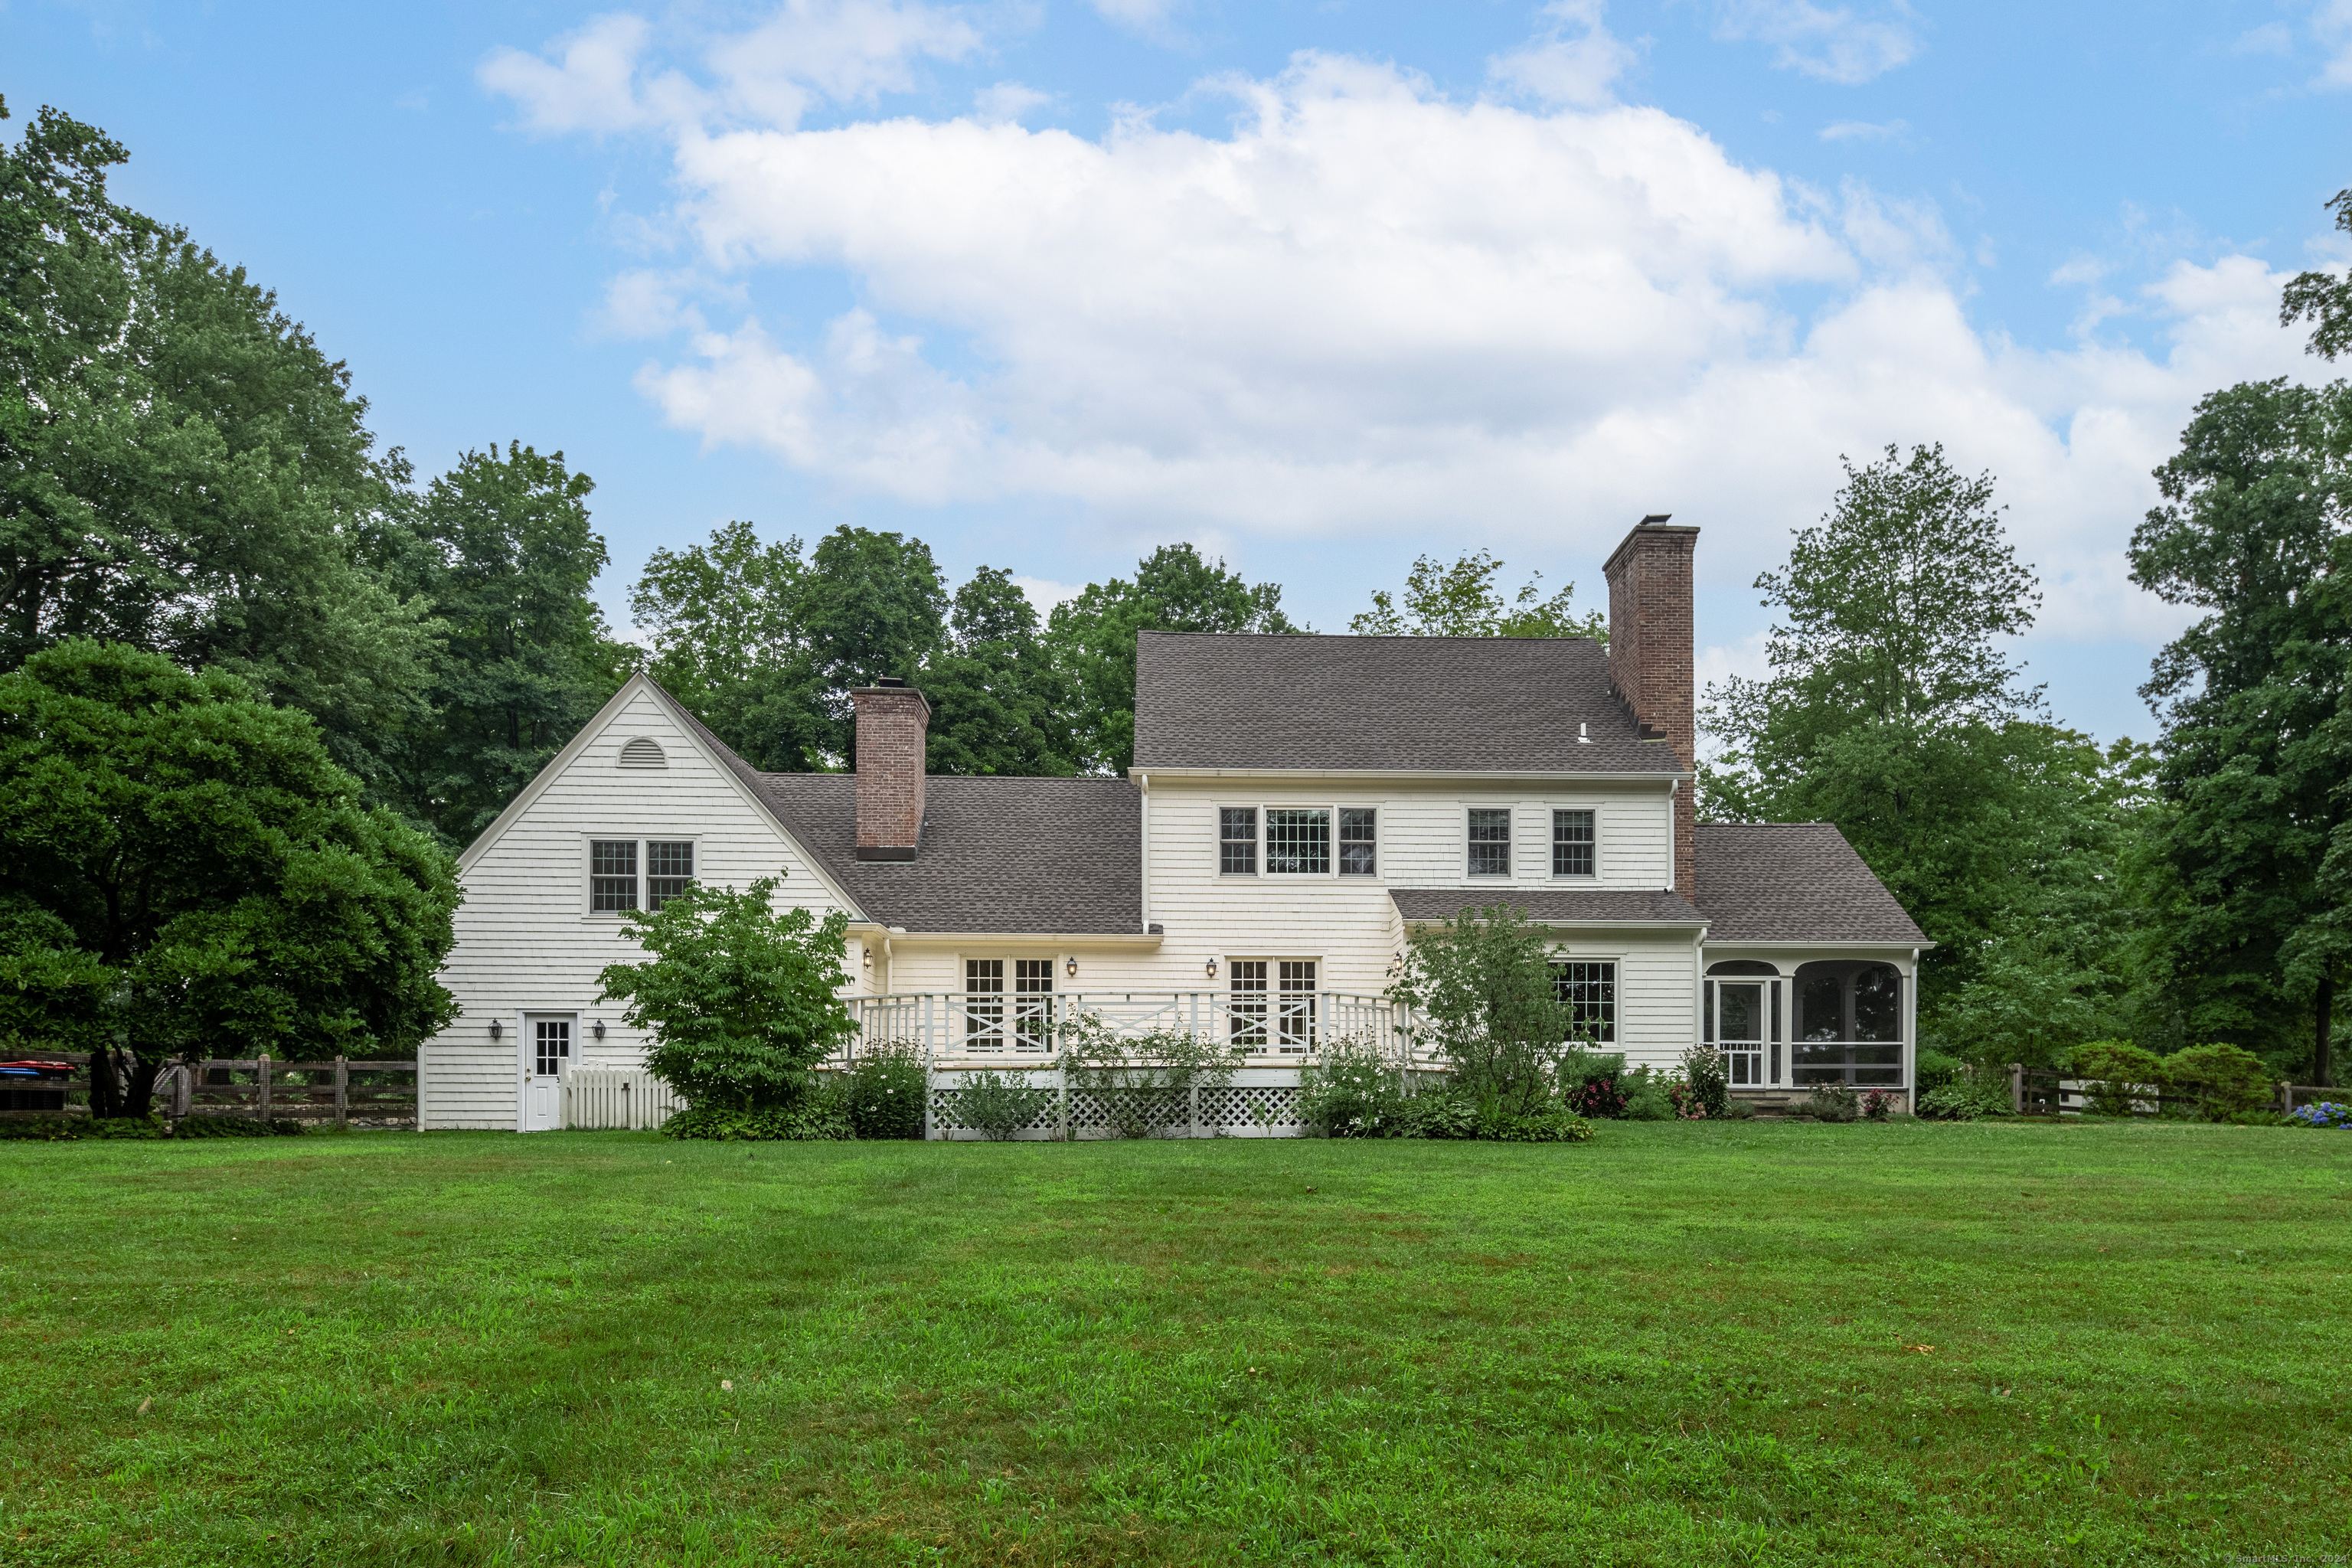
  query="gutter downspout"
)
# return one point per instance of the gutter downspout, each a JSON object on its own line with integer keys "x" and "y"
{"x": 1143, "y": 784}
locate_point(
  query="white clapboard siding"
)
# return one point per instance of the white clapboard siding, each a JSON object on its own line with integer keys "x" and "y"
{"x": 527, "y": 942}
{"x": 624, "y": 1098}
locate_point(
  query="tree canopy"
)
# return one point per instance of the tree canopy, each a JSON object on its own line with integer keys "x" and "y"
{"x": 1462, "y": 601}
{"x": 184, "y": 872}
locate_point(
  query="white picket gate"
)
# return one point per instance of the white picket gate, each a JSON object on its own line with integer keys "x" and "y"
{"x": 617, "y": 1098}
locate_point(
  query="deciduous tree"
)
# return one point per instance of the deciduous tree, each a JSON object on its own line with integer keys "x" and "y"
{"x": 1462, "y": 601}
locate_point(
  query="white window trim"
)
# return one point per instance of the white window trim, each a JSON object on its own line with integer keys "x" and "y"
{"x": 1615, "y": 957}
{"x": 1510, "y": 844}
{"x": 1551, "y": 842}
{"x": 588, "y": 910}
{"x": 1380, "y": 840}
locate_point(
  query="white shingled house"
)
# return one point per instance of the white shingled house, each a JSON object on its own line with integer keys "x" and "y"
{"x": 1297, "y": 805}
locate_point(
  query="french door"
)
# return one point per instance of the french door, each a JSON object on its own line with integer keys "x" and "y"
{"x": 546, "y": 1053}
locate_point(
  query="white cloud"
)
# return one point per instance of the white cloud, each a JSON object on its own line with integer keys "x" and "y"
{"x": 2270, "y": 38}
{"x": 2331, "y": 23}
{"x": 1045, "y": 593}
{"x": 1008, "y": 102}
{"x": 1863, "y": 131}
{"x": 1562, "y": 66}
{"x": 1372, "y": 312}
{"x": 591, "y": 87}
{"x": 1833, "y": 44}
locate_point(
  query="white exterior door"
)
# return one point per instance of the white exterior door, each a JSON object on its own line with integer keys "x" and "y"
{"x": 546, "y": 1053}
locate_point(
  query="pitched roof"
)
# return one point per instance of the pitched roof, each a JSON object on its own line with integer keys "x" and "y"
{"x": 1346, "y": 703}
{"x": 1793, "y": 881}
{"x": 1549, "y": 905}
{"x": 1006, "y": 854}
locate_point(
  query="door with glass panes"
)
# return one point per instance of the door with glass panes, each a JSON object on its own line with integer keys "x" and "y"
{"x": 546, "y": 1053}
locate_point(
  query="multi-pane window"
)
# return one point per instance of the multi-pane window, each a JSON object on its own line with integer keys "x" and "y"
{"x": 1589, "y": 990}
{"x": 1295, "y": 1024}
{"x": 1358, "y": 841}
{"x": 1245, "y": 1014}
{"x": 1237, "y": 840}
{"x": 983, "y": 1003}
{"x": 1299, "y": 841}
{"x": 1272, "y": 1005}
{"x": 1033, "y": 1003}
{"x": 1490, "y": 843}
{"x": 612, "y": 874}
{"x": 551, "y": 1045}
{"x": 669, "y": 868}
{"x": 1572, "y": 844}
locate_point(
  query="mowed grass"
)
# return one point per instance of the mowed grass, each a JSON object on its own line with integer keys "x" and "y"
{"x": 1675, "y": 1344}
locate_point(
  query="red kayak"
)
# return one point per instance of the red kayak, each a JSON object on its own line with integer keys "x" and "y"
{"x": 37, "y": 1069}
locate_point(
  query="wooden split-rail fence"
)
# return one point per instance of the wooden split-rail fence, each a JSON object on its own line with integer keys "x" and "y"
{"x": 336, "y": 1091}
{"x": 2045, "y": 1091}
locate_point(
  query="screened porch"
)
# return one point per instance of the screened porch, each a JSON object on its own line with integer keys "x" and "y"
{"x": 1831, "y": 1021}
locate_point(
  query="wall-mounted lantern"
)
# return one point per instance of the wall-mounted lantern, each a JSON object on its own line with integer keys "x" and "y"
{"x": 495, "y": 1030}
{"x": 866, "y": 957}
{"x": 599, "y": 1026}
{"x": 1070, "y": 966}
{"x": 1213, "y": 966}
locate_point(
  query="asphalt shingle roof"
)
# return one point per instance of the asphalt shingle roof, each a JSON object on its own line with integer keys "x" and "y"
{"x": 1547, "y": 903}
{"x": 1349, "y": 703}
{"x": 1792, "y": 881}
{"x": 1009, "y": 854}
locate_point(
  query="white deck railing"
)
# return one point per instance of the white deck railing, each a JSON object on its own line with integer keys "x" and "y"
{"x": 1290, "y": 1028}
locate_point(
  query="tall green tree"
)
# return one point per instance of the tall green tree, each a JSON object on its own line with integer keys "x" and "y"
{"x": 875, "y": 604}
{"x": 505, "y": 553}
{"x": 1093, "y": 637}
{"x": 1890, "y": 712}
{"x": 2322, "y": 299}
{"x": 997, "y": 697}
{"x": 184, "y": 872}
{"x": 728, "y": 642}
{"x": 1461, "y": 600}
{"x": 2257, "y": 744}
{"x": 181, "y": 468}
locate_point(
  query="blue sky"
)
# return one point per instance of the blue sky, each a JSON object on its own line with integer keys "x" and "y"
{"x": 1319, "y": 287}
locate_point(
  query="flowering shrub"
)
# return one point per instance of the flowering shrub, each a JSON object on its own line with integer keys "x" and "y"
{"x": 2325, "y": 1113}
{"x": 1878, "y": 1104}
{"x": 1706, "y": 1087}
{"x": 886, "y": 1088}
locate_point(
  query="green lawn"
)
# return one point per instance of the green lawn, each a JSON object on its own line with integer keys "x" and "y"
{"x": 1676, "y": 1344}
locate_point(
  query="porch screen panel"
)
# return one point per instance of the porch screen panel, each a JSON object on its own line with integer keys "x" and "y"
{"x": 1033, "y": 1003}
{"x": 983, "y": 1003}
{"x": 1246, "y": 1010}
{"x": 1297, "y": 980}
{"x": 1589, "y": 990}
{"x": 1297, "y": 841}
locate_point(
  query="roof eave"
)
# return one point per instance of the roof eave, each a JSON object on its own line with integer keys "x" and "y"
{"x": 1498, "y": 775}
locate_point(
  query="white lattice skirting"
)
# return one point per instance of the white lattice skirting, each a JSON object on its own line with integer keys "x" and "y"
{"x": 1241, "y": 1111}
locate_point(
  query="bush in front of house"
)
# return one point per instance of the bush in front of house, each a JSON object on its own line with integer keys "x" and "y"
{"x": 1704, "y": 1091}
{"x": 1436, "y": 1113}
{"x": 1589, "y": 1082}
{"x": 885, "y": 1090}
{"x": 1552, "y": 1124}
{"x": 818, "y": 1116}
{"x": 1481, "y": 984}
{"x": 1833, "y": 1102}
{"x": 2325, "y": 1113}
{"x": 1647, "y": 1095}
{"x": 741, "y": 1000}
{"x": 996, "y": 1105}
{"x": 1353, "y": 1092}
{"x": 1972, "y": 1092}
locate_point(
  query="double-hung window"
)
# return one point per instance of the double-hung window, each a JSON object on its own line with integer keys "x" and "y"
{"x": 614, "y": 865}
{"x": 1490, "y": 842}
{"x": 1237, "y": 840}
{"x": 1360, "y": 841}
{"x": 1572, "y": 844}
{"x": 1587, "y": 989}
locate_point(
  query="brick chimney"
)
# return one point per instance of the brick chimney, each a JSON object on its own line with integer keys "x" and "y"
{"x": 892, "y": 720}
{"x": 1651, "y": 641}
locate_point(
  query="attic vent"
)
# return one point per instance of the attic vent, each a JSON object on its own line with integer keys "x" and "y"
{"x": 642, "y": 753}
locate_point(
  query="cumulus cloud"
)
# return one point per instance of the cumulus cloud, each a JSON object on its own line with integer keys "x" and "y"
{"x": 590, "y": 85}
{"x": 1370, "y": 309}
{"x": 1576, "y": 60}
{"x": 1833, "y": 44}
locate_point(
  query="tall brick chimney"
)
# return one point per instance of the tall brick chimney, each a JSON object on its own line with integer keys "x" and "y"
{"x": 892, "y": 720}
{"x": 1651, "y": 641}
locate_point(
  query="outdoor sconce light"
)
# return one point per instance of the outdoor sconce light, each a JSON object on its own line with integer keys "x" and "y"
{"x": 495, "y": 1030}
{"x": 1070, "y": 966}
{"x": 1213, "y": 966}
{"x": 600, "y": 1028}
